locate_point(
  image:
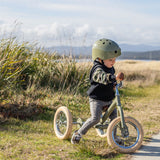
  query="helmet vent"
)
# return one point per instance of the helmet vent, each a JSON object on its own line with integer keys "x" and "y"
{"x": 103, "y": 42}
{"x": 115, "y": 51}
{"x": 110, "y": 43}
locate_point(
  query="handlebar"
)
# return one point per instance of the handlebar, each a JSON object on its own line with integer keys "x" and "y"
{"x": 119, "y": 85}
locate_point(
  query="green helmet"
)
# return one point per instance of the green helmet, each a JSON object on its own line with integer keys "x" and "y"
{"x": 105, "y": 49}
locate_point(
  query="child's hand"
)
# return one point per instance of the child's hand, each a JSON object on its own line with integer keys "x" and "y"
{"x": 120, "y": 76}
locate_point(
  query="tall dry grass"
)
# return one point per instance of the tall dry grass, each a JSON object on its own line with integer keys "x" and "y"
{"x": 24, "y": 66}
{"x": 12, "y": 62}
{"x": 139, "y": 73}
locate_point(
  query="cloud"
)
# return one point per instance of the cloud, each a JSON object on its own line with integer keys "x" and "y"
{"x": 69, "y": 21}
{"x": 60, "y": 34}
{"x": 69, "y": 34}
{"x": 60, "y": 7}
{"x": 82, "y": 30}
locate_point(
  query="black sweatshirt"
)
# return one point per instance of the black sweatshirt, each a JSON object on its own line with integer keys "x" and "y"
{"x": 101, "y": 84}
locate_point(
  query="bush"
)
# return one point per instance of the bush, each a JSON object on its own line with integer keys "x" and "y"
{"x": 24, "y": 65}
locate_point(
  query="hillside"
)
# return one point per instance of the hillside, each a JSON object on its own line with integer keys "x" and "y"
{"x": 126, "y": 54}
{"x": 150, "y": 55}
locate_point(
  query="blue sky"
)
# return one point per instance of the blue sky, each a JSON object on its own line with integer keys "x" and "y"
{"x": 81, "y": 22}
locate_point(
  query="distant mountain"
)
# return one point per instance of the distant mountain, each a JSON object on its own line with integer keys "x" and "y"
{"x": 138, "y": 48}
{"x": 128, "y": 51}
{"x": 74, "y": 51}
{"x": 149, "y": 55}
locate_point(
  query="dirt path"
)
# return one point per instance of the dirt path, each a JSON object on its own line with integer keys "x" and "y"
{"x": 149, "y": 151}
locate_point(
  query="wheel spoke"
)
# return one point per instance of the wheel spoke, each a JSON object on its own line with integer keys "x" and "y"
{"x": 130, "y": 140}
{"x": 61, "y": 123}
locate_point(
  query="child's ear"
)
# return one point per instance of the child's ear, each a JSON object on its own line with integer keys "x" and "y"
{"x": 99, "y": 60}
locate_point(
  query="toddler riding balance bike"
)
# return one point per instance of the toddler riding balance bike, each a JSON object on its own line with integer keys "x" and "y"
{"x": 124, "y": 134}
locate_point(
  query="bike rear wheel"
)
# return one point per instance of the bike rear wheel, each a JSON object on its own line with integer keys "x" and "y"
{"x": 63, "y": 123}
{"x": 125, "y": 144}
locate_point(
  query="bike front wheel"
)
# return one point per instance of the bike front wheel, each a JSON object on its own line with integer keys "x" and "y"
{"x": 121, "y": 143}
{"x": 63, "y": 123}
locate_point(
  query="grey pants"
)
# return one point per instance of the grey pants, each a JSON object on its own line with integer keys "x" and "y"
{"x": 96, "y": 108}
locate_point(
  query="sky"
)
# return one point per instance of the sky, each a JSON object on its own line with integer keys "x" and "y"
{"x": 81, "y": 22}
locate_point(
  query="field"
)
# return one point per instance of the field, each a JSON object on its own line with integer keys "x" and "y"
{"x": 33, "y": 90}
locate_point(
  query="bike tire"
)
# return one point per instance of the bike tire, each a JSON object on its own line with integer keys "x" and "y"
{"x": 63, "y": 123}
{"x": 121, "y": 144}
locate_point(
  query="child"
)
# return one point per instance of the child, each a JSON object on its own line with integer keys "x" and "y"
{"x": 102, "y": 79}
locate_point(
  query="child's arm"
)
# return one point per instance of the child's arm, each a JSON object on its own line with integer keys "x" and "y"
{"x": 100, "y": 76}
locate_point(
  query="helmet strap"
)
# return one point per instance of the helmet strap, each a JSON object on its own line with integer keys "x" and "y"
{"x": 100, "y": 60}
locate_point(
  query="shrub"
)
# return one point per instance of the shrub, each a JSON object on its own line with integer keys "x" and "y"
{"x": 24, "y": 65}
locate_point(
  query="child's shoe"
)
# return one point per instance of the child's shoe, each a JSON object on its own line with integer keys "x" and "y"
{"x": 76, "y": 137}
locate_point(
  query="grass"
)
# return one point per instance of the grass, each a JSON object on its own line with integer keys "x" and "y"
{"x": 39, "y": 78}
{"x": 145, "y": 108}
{"x": 34, "y": 138}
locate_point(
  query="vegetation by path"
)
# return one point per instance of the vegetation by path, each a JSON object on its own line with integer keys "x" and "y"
{"x": 34, "y": 138}
{"x": 34, "y": 83}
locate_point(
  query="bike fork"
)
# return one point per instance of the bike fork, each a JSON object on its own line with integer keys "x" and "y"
{"x": 124, "y": 128}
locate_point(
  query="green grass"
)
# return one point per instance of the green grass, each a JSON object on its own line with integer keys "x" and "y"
{"x": 34, "y": 138}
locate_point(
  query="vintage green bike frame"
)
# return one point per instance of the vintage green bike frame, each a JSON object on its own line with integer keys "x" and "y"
{"x": 116, "y": 104}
